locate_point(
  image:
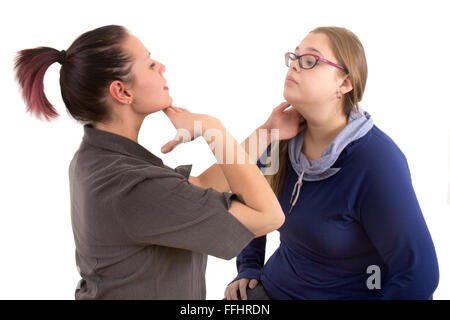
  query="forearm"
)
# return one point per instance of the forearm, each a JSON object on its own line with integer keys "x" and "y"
{"x": 238, "y": 169}
{"x": 255, "y": 145}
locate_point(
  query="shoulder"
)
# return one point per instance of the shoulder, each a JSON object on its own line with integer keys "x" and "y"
{"x": 380, "y": 152}
{"x": 113, "y": 169}
{"x": 381, "y": 163}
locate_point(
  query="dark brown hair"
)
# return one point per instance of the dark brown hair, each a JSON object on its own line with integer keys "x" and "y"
{"x": 92, "y": 62}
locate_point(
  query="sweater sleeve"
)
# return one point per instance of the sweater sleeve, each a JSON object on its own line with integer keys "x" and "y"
{"x": 391, "y": 215}
{"x": 250, "y": 261}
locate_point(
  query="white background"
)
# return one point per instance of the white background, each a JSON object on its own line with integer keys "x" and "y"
{"x": 224, "y": 59}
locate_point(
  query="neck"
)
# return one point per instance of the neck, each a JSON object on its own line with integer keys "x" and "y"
{"x": 128, "y": 128}
{"x": 321, "y": 133}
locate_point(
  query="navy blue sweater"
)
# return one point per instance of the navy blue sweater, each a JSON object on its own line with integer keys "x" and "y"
{"x": 365, "y": 215}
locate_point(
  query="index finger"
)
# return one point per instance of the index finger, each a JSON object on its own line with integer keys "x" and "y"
{"x": 283, "y": 106}
{"x": 182, "y": 109}
{"x": 168, "y": 109}
{"x": 243, "y": 289}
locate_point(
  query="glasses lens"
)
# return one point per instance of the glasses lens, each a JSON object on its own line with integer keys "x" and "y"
{"x": 287, "y": 59}
{"x": 307, "y": 62}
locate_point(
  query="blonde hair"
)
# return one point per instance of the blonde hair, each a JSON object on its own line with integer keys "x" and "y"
{"x": 349, "y": 53}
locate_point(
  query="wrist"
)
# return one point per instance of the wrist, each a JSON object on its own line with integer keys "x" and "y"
{"x": 209, "y": 122}
{"x": 267, "y": 131}
{"x": 265, "y": 126}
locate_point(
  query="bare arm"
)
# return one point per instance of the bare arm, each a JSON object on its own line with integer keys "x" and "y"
{"x": 213, "y": 177}
{"x": 287, "y": 122}
{"x": 261, "y": 212}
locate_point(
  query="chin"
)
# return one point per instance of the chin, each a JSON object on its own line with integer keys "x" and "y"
{"x": 167, "y": 102}
{"x": 290, "y": 98}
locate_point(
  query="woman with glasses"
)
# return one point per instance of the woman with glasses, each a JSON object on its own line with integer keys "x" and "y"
{"x": 353, "y": 227}
{"x": 143, "y": 230}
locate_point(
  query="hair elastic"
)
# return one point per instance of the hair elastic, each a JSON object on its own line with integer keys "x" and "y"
{"x": 62, "y": 56}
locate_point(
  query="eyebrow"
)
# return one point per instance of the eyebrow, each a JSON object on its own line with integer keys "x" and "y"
{"x": 310, "y": 49}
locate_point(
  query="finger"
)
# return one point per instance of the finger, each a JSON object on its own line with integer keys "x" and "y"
{"x": 169, "y": 110}
{"x": 233, "y": 292}
{"x": 182, "y": 109}
{"x": 169, "y": 146}
{"x": 228, "y": 291}
{"x": 225, "y": 296}
{"x": 253, "y": 283}
{"x": 292, "y": 111}
{"x": 283, "y": 106}
{"x": 243, "y": 289}
{"x": 294, "y": 114}
{"x": 177, "y": 109}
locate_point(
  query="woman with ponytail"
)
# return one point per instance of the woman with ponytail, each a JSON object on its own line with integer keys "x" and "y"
{"x": 353, "y": 227}
{"x": 143, "y": 230}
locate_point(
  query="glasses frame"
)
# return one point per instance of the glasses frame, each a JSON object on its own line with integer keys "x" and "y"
{"x": 290, "y": 55}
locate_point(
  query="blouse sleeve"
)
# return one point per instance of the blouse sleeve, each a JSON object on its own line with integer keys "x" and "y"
{"x": 158, "y": 206}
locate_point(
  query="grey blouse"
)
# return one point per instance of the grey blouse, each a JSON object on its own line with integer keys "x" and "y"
{"x": 141, "y": 230}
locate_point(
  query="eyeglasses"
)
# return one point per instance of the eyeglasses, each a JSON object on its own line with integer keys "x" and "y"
{"x": 308, "y": 61}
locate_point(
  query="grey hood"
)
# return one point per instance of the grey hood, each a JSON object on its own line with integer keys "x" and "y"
{"x": 359, "y": 123}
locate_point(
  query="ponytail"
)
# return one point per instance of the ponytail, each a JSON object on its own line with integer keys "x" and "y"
{"x": 94, "y": 60}
{"x": 30, "y": 67}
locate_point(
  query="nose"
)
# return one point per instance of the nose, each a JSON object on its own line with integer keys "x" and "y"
{"x": 295, "y": 65}
{"x": 162, "y": 69}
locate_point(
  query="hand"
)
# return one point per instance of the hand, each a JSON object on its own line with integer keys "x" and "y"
{"x": 183, "y": 121}
{"x": 288, "y": 122}
{"x": 241, "y": 285}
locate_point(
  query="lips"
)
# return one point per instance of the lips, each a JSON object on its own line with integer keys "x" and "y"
{"x": 289, "y": 78}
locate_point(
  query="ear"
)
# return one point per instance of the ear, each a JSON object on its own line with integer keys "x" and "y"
{"x": 120, "y": 93}
{"x": 346, "y": 84}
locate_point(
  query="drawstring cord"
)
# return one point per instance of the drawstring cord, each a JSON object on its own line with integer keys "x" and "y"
{"x": 296, "y": 191}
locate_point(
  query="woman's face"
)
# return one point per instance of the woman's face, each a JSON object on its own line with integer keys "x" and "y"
{"x": 314, "y": 92}
{"x": 149, "y": 90}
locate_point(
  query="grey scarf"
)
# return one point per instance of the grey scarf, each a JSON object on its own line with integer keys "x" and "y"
{"x": 359, "y": 123}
